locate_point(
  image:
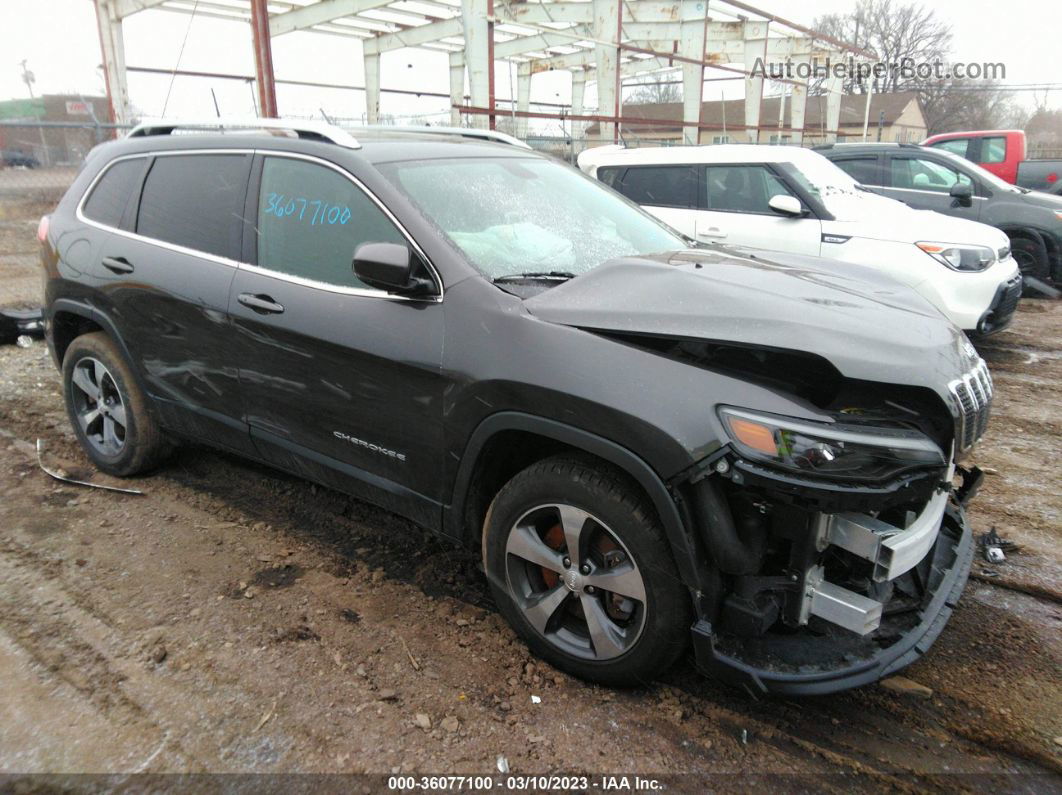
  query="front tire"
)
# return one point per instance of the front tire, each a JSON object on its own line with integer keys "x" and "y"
{"x": 1031, "y": 256}
{"x": 580, "y": 567}
{"x": 108, "y": 410}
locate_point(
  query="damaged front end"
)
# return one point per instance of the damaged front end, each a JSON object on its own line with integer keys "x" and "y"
{"x": 842, "y": 547}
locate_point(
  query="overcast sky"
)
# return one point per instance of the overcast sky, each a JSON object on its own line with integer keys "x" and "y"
{"x": 60, "y": 42}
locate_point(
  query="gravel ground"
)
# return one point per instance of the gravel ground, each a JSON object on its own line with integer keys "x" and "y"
{"x": 234, "y": 619}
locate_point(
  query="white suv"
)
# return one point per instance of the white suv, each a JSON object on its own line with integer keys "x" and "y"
{"x": 790, "y": 199}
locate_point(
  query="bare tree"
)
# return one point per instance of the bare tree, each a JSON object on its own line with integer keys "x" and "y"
{"x": 658, "y": 92}
{"x": 969, "y": 105}
{"x": 896, "y": 33}
{"x": 907, "y": 33}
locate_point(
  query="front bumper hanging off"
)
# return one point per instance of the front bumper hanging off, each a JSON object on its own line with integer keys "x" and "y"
{"x": 795, "y": 665}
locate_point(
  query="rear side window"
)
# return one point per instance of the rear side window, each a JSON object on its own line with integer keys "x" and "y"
{"x": 916, "y": 173}
{"x": 311, "y": 218}
{"x": 660, "y": 186}
{"x": 196, "y": 201}
{"x": 107, "y": 202}
{"x": 608, "y": 175}
{"x": 958, "y": 146}
{"x": 863, "y": 170}
{"x": 994, "y": 149}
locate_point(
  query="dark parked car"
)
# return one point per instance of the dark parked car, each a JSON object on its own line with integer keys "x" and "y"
{"x": 649, "y": 444}
{"x": 18, "y": 159}
{"x": 935, "y": 179}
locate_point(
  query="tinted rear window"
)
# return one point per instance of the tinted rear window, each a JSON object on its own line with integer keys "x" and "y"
{"x": 196, "y": 201}
{"x": 108, "y": 199}
{"x": 863, "y": 170}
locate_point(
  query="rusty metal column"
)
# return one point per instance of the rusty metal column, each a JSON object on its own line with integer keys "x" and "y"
{"x": 606, "y": 26}
{"x": 479, "y": 61}
{"x": 490, "y": 63}
{"x": 112, "y": 51}
{"x": 263, "y": 60}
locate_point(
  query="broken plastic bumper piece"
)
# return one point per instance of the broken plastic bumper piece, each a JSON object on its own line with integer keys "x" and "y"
{"x": 867, "y": 641}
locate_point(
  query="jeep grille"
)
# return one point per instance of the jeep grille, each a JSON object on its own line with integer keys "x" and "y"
{"x": 972, "y": 403}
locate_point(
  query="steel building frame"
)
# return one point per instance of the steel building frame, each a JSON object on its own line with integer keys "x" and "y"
{"x": 597, "y": 41}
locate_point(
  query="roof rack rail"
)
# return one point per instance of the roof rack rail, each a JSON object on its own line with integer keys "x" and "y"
{"x": 314, "y": 130}
{"x": 462, "y": 132}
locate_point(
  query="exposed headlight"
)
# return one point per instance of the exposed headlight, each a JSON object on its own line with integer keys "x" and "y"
{"x": 831, "y": 451}
{"x": 960, "y": 258}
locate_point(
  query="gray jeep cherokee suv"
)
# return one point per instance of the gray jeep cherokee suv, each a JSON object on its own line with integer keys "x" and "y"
{"x": 654, "y": 446}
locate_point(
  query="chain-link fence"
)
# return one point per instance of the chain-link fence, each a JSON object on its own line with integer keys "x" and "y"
{"x": 38, "y": 160}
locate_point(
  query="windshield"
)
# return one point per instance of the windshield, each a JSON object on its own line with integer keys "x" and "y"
{"x": 514, "y": 215}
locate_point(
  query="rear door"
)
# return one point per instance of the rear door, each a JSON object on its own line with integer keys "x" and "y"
{"x": 668, "y": 192}
{"x": 733, "y": 208}
{"x": 866, "y": 169}
{"x": 341, "y": 382}
{"x": 167, "y": 270}
{"x": 924, "y": 181}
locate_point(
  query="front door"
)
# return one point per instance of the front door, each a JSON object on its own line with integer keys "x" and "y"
{"x": 733, "y": 208}
{"x": 340, "y": 382}
{"x": 924, "y": 182}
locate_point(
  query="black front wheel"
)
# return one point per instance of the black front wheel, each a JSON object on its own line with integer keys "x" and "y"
{"x": 581, "y": 569}
{"x": 1031, "y": 257}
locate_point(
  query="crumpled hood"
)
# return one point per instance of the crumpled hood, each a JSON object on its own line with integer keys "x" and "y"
{"x": 869, "y": 326}
{"x": 874, "y": 217}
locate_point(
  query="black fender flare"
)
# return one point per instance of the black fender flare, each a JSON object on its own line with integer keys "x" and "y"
{"x": 89, "y": 312}
{"x": 1030, "y": 232}
{"x": 690, "y": 560}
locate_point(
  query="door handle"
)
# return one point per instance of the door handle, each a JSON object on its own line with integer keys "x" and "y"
{"x": 262, "y": 304}
{"x": 117, "y": 264}
{"x": 713, "y": 233}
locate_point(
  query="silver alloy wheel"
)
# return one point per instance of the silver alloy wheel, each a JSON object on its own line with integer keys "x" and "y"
{"x": 98, "y": 406}
{"x": 575, "y": 581}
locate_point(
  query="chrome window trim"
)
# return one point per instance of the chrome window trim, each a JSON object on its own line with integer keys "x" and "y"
{"x": 239, "y": 265}
{"x": 80, "y": 215}
{"x": 927, "y": 192}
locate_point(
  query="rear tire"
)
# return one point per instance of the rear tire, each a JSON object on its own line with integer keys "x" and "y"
{"x": 580, "y": 567}
{"x": 108, "y": 410}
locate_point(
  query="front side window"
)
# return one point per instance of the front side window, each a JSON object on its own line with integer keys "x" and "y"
{"x": 957, "y": 146}
{"x": 106, "y": 204}
{"x": 742, "y": 189}
{"x": 863, "y": 170}
{"x": 993, "y": 149}
{"x": 659, "y": 186}
{"x": 311, "y": 219}
{"x": 513, "y": 215}
{"x": 916, "y": 173}
{"x": 196, "y": 201}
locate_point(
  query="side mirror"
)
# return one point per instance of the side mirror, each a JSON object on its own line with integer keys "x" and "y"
{"x": 786, "y": 205}
{"x": 389, "y": 266}
{"x": 962, "y": 192}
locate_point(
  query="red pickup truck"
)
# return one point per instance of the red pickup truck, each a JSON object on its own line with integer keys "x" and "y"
{"x": 1003, "y": 153}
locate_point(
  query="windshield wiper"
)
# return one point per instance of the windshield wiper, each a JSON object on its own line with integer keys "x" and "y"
{"x": 560, "y": 276}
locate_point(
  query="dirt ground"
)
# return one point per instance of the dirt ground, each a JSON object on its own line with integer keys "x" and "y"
{"x": 234, "y": 619}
